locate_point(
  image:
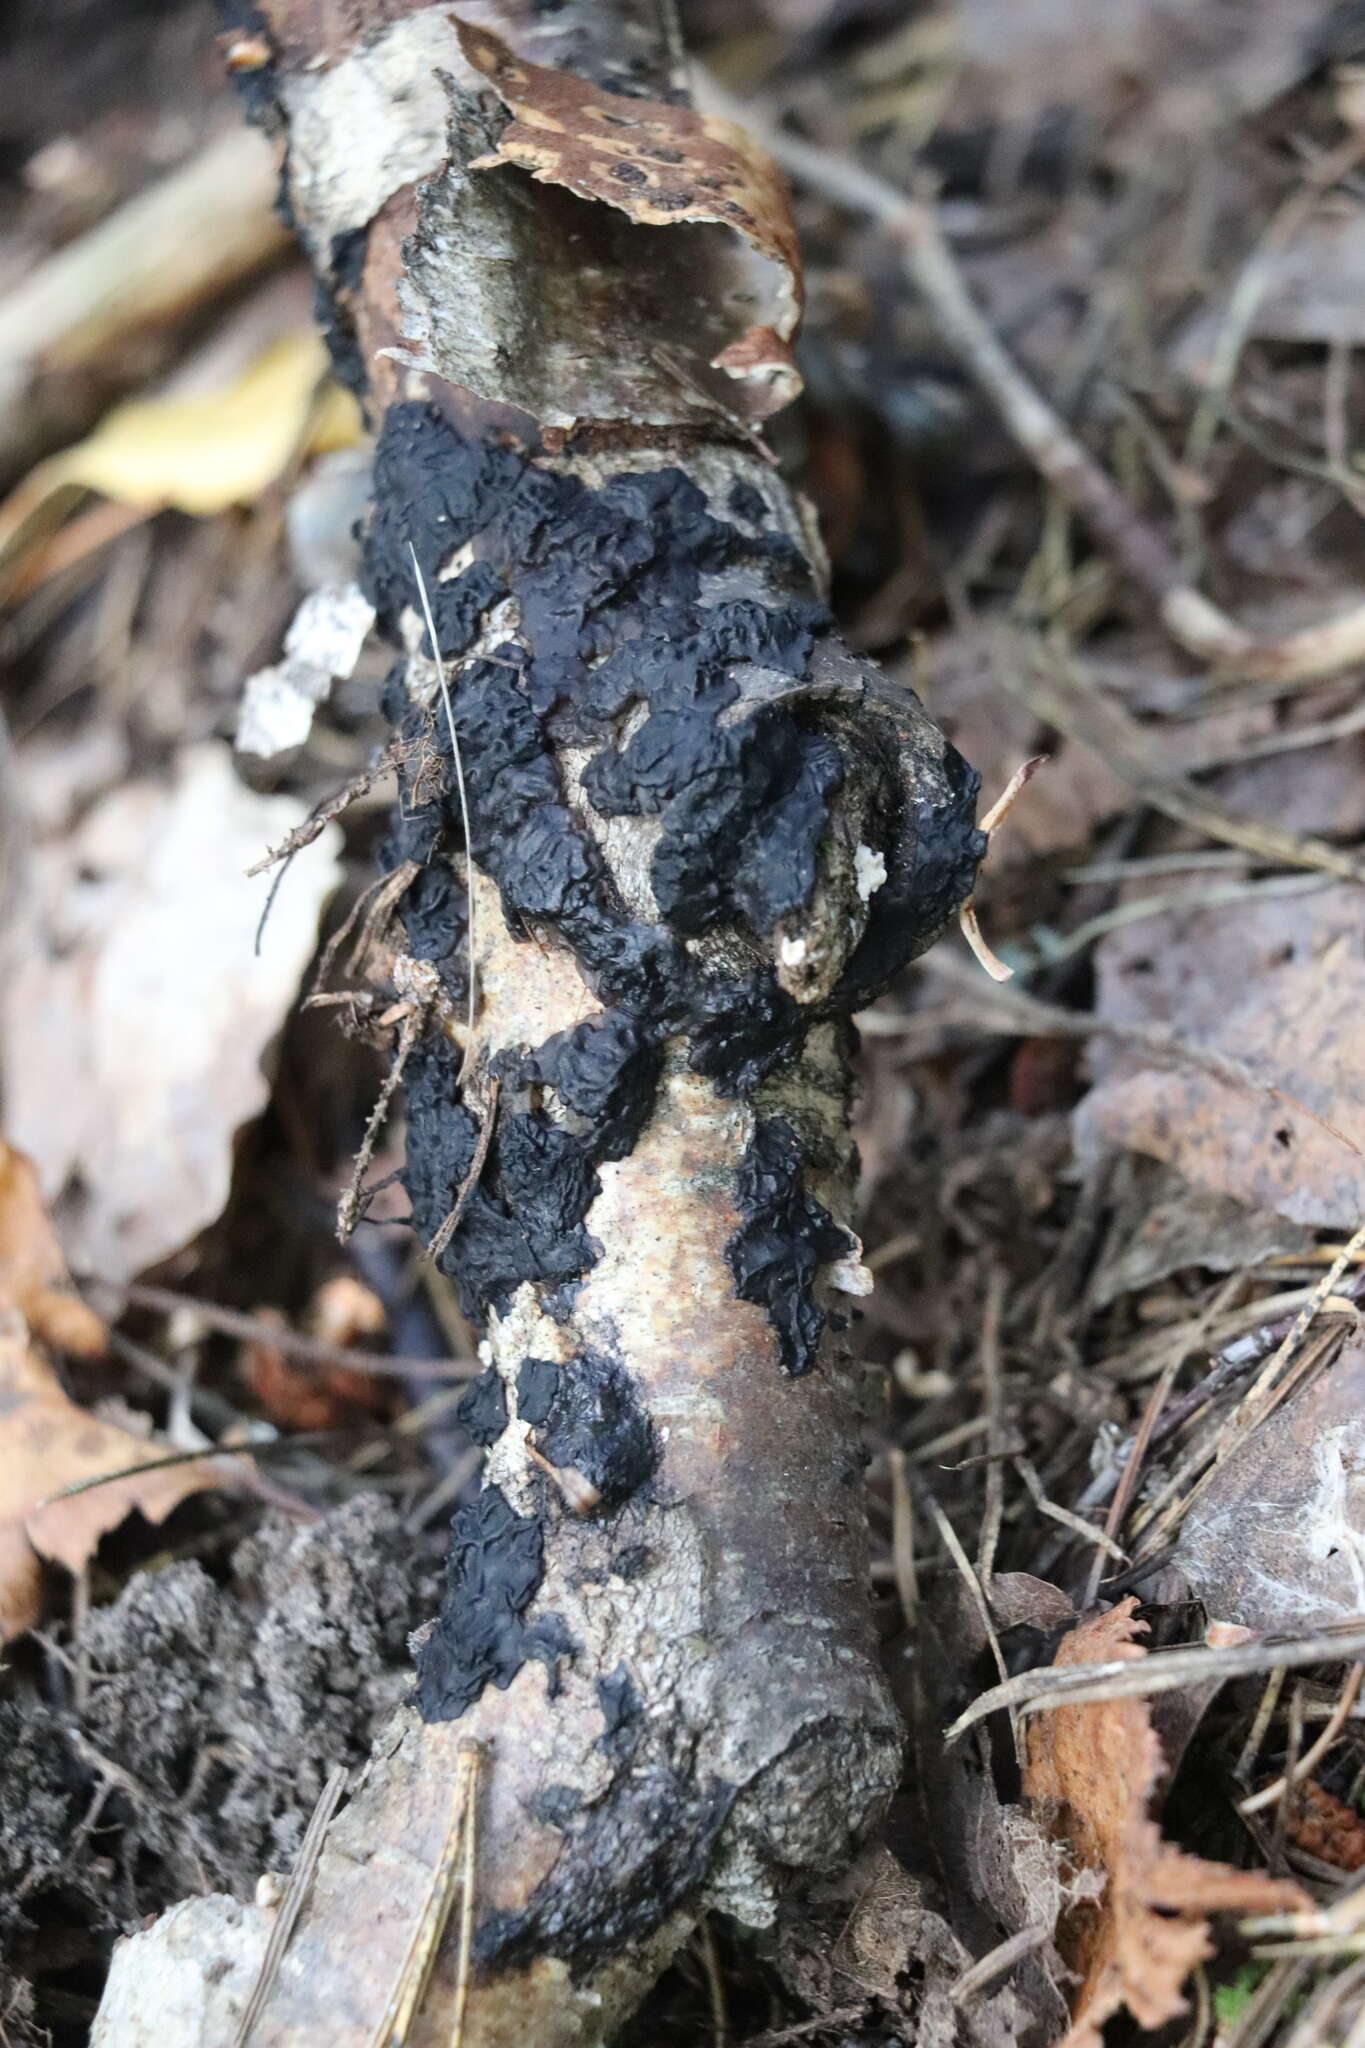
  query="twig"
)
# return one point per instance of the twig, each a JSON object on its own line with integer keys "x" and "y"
{"x": 1013, "y": 1013}
{"x": 1075, "y": 1685}
{"x": 313, "y": 1350}
{"x": 372, "y": 904}
{"x": 903, "y": 1536}
{"x": 1314, "y": 1754}
{"x": 1003, "y": 1957}
{"x": 1140, "y": 551}
{"x": 992, "y": 1391}
{"x": 464, "y": 805}
{"x": 1087, "y": 1531}
{"x": 1266, "y": 1393}
{"x": 323, "y": 813}
{"x": 472, "y": 1176}
{"x": 349, "y": 1207}
{"x": 1066, "y": 698}
{"x": 1132, "y": 1467}
{"x": 1250, "y": 289}
{"x": 292, "y": 1904}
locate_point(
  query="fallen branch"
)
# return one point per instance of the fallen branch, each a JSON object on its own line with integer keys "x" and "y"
{"x": 699, "y": 835}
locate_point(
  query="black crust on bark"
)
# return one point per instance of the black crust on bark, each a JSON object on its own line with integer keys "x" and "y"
{"x": 481, "y": 1410}
{"x": 590, "y": 1420}
{"x": 604, "y": 1070}
{"x": 343, "y": 274}
{"x": 482, "y": 1636}
{"x": 783, "y": 1240}
{"x": 524, "y": 1221}
{"x": 619, "y": 653}
{"x": 628, "y": 1860}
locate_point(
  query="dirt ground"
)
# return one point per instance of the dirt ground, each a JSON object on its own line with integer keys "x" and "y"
{"x": 1113, "y": 1204}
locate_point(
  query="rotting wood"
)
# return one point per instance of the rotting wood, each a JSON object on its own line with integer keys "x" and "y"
{"x": 702, "y": 835}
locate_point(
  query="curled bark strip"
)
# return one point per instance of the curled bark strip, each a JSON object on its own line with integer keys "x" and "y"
{"x": 662, "y": 164}
{"x": 701, "y": 835}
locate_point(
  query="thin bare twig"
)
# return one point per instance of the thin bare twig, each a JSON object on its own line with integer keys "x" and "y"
{"x": 349, "y": 1207}
{"x": 472, "y": 1176}
{"x": 1132, "y": 1467}
{"x": 1317, "y": 1750}
{"x": 903, "y": 1536}
{"x": 1075, "y": 1685}
{"x": 1140, "y": 551}
{"x": 1002, "y": 1958}
{"x": 322, "y": 814}
{"x": 293, "y": 1343}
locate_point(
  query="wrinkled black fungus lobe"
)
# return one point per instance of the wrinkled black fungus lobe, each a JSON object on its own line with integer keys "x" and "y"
{"x": 588, "y": 1417}
{"x": 482, "y": 1636}
{"x": 783, "y": 1240}
{"x": 481, "y": 1410}
{"x": 609, "y": 585}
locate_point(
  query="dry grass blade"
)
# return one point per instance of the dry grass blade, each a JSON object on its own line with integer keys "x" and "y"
{"x": 1058, "y": 690}
{"x": 292, "y": 1904}
{"x": 453, "y": 1869}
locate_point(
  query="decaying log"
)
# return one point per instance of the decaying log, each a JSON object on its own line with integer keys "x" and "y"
{"x": 702, "y": 834}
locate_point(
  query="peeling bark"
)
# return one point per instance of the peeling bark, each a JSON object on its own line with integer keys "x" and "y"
{"x": 703, "y": 834}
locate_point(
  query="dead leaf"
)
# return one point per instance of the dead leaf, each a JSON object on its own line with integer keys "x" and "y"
{"x": 1324, "y": 1826}
{"x": 321, "y": 1396}
{"x": 1278, "y": 985}
{"x": 1161, "y": 1224}
{"x": 660, "y": 165}
{"x": 47, "y": 1443}
{"x": 1098, "y": 1769}
{"x": 33, "y": 1275}
{"x": 200, "y": 454}
{"x": 1276, "y": 1539}
{"x": 135, "y": 1012}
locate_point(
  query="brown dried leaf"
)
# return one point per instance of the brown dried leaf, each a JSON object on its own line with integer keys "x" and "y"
{"x": 1326, "y": 1827}
{"x": 661, "y": 165}
{"x": 1279, "y": 986}
{"x": 1098, "y": 1769}
{"x": 1275, "y": 1538}
{"x": 135, "y": 1011}
{"x": 33, "y": 1276}
{"x": 47, "y": 1443}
